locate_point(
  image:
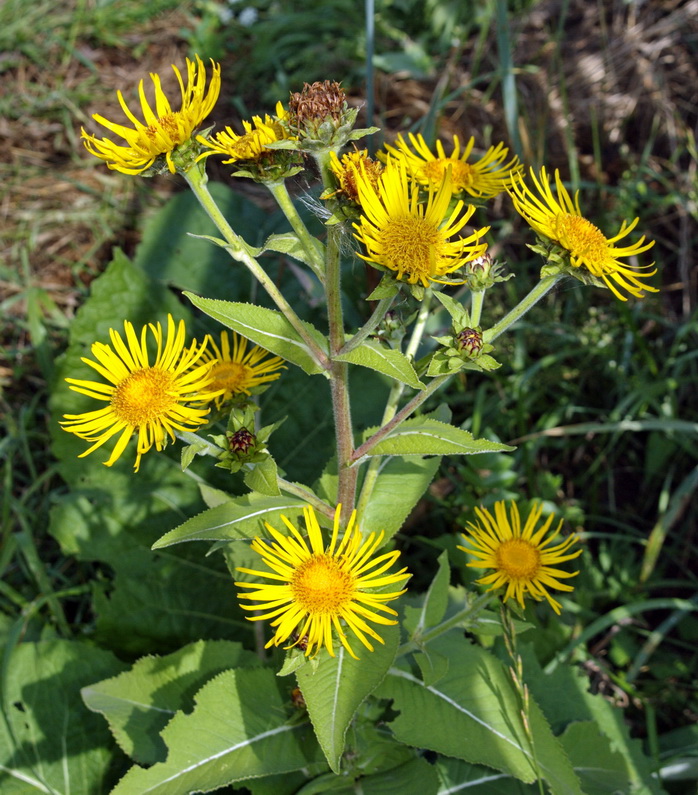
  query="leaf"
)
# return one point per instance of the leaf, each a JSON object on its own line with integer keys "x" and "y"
{"x": 399, "y": 487}
{"x": 426, "y": 436}
{"x": 49, "y": 741}
{"x": 338, "y": 687}
{"x": 374, "y": 356}
{"x": 387, "y": 287}
{"x": 456, "y": 775}
{"x": 288, "y": 243}
{"x": 474, "y": 714}
{"x": 239, "y": 518}
{"x": 601, "y": 770}
{"x": 264, "y": 478}
{"x": 139, "y": 703}
{"x": 458, "y": 313}
{"x": 266, "y": 327}
{"x": 564, "y": 697}
{"x": 416, "y": 776}
{"x": 433, "y": 608}
{"x": 238, "y": 730}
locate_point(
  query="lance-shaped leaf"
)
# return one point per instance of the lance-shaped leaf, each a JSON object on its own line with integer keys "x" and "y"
{"x": 392, "y": 363}
{"x": 336, "y": 689}
{"x": 265, "y": 327}
{"x": 474, "y": 713}
{"x": 426, "y": 436}
{"x": 240, "y": 518}
{"x": 288, "y": 243}
{"x": 239, "y": 729}
{"x": 140, "y": 702}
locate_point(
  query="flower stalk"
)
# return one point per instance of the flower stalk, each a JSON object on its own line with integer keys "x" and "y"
{"x": 544, "y": 286}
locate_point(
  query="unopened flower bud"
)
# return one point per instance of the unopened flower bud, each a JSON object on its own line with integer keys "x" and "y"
{"x": 469, "y": 340}
{"x": 241, "y": 442}
{"x": 481, "y": 266}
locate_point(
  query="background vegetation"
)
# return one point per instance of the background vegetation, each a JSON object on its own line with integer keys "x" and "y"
{"x": 597, "y": 396}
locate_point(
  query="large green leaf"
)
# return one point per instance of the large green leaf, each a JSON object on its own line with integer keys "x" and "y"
{"x": 427, "y": 436}
{"x": 564, "y": 696}
{"x": 336, "y": 688}
{"x": 400, "y": 485}
{"x": 601, "y": 769}
{"x": 239, "y": 729}
{"x": 374, "y": 356}
{"x": 266, "y": 327}
{"x": 240, "y": 518}
{"x": 49, "y": 741}
{"x": 473, "y": 713}
{"x": 139, "y": 703}
{"x": 457, "y": 776}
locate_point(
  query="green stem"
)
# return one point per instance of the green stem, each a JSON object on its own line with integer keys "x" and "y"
{"x": 238, "y": 250}
{"x": 476, "y": 301}
{"x": 401, "y": 415}
{"x": 391, "y": 405}
{"x": 305, "y": 494}
{"x": 339, "y": 377}
{"x": 543, "y": 286}
{"x": 462, "y": 618}
{"x": 378, "y": 314}
{"x": 311, "y": 246}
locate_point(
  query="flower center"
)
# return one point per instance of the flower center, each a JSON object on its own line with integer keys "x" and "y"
{"x": 167, "y": 124}
{"x": 231, "y": 376}
{"x": 144, "y": 395}
{"x": 518, "y": 559}
{"x": 411, "y": 245}
{"x": 321, "y": 585}
{"x": 581, "y": 238}
{"x": 435, "y": 170}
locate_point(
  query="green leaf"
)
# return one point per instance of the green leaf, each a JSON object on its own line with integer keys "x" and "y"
{"x": 49, "y": 741}
{"x": 237, "y": 730}
{"x": 399, "y": 487}
{"x": 288, "y": 243}
{"x": 264, "y": 478}
{"x": 433, "y": 608}
{"x": 387, "y": 287}
{"x": 458, "y": 313}
{"x": 140, "y": 702}
{"x": 456, "y": 775}
{"x": 238, "y": 519}
{"x": 340, "y": 684}
{"x": 564, "y": 697}
{"x": 426, "y": 436}
{"x": 266, "y": 327}
{"x": 601, "y": 770}
{"x": 476, "y": 700}
{"x": 416, "y": 776}
{"x": 374, "y": 356}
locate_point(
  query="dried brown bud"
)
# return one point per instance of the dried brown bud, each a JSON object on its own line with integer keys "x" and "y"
{"x": 241, "y": 442}
{"x": 316, "y": 103}
{"x": 470, "y": 341}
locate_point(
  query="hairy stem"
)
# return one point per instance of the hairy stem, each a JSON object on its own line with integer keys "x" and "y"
{"x": 378, "y": 315}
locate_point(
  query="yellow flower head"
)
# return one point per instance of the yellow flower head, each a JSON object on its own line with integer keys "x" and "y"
{"x": 409, "y": 237}
{"x": 483, "y": 178}
{"x": 251, "y": 145}
{"x": 147, "y": 399}
{"x": 560, "y": 219}
{"x": 346, "y": 168}
{"x": 522, "y": 560}
{"x": 164, "y": 129}
{"x": 316, "y": 589}
{"x": 236, "y": 372}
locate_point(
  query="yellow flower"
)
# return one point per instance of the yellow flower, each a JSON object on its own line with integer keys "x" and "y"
{"x": 522, "y": 560}
{"x": 346, "y": 168}
{"x": 316, "y": 589}
{"x": 560, "y": 220}
{"x": 143, "y": 398}
{"x": 237, "y": 373}
{"x": 252, "y": 144}
{"x": 164, "y": 129}
{"x": 483, "y": 178}
{"x": 409, "y": 237}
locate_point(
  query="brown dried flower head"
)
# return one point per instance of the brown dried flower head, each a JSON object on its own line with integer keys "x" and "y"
{"x": 316, "y": 103}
